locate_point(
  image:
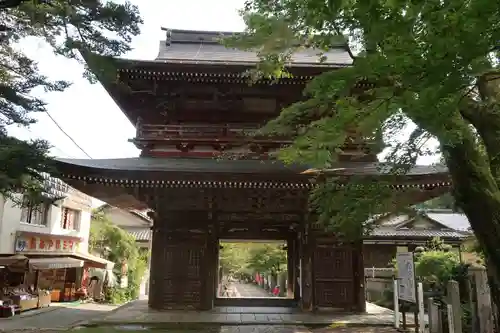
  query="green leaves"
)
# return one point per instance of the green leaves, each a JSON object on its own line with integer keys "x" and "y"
{"x": 114, "y": 243}
{"x": 267, "y": 258}
{"x": 248, "y": 258}
{"x": 347, "y": 209}
{"x": 419, "y": 62}
{"x": 70, "y": 27}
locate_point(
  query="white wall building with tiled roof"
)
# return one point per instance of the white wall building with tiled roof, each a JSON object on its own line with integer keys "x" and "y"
{"x": 67, "y": 218}
{"x": 394, "y": 233}
{"x": 57, "y": 229}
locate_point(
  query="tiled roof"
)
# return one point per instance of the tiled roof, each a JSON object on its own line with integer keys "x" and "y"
{"x": 142, "y": 214}
{"x": 450, "y": 219}
{"x": 412, "y": 233}
{"x": 203, "y": 47}
{"x": 183, "y": 165}
{"x": 54, "y": 187}
{"x": 447, "y": 224}
{"x": 141, "y": 235}
{"x": 228, "y": 166}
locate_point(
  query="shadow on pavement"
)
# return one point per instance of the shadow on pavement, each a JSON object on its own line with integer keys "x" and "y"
{"x": 56, "y": 317}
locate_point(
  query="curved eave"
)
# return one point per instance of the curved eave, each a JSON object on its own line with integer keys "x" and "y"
{"x": 139, "y": 170}
{"x": 199, "y": 65}
{"x": 142, "y": 170}
{"x": 117, "y": 181}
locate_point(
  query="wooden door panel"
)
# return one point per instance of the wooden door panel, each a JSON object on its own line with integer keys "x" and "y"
{"x": 177, "y": 274}
{"x": 334, "y": 276}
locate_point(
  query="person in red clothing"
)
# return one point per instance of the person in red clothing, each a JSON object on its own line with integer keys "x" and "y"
{"x": 276, "y": 291}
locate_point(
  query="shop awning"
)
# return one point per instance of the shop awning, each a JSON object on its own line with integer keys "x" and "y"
{"x": 54, "y": 263}
{"x": 94, "y": 261}
{"x": 15, "y": 260}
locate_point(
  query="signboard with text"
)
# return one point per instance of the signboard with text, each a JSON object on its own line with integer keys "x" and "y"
{"x": 44, "y": 244}
{"x": 406, "y": 277}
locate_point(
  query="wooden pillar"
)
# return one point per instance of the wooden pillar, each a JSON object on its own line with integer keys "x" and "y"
{"x": 359, "y": 277}
{"x": 155, "y": 289}
{"x": 297, "y": 250}
{"x": 210, "y": 269}
{"x": 217, "y": 268}
{"x": 290, "y": 264}
{"x": 307, "y": 269}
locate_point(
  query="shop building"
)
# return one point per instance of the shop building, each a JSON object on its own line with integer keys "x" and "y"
{"x": 44, "y": 247}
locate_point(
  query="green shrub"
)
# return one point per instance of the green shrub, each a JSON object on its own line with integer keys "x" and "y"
{"x": 116, "y": 295}
{"x": 435, "y": 268}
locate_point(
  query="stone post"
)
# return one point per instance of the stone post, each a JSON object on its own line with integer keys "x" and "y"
{"x": 282, "y": 283}
{"x": 453, "y": 298}
{"x": 484, "y": 303}
{"x": 434, "y": 322}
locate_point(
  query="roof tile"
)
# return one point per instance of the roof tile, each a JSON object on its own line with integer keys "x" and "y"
{"x": 141, "y": 235}
{"x": 199, "y": 52}
{"x": 452, "y": 220}
{"x": 427, "y": 233}
{"x": 238, "y": 166}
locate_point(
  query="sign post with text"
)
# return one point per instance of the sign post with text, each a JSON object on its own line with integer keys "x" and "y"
{"x": 407, "y": 289}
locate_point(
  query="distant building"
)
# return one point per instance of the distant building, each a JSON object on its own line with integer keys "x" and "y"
{"x": 404, "y": 232}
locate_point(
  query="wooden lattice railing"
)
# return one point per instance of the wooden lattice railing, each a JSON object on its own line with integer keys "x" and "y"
{"x": 232, "y": 135}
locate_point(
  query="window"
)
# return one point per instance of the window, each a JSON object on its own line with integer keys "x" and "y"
{"x": 34, "y": 214}
{"x": 70, "y": 219}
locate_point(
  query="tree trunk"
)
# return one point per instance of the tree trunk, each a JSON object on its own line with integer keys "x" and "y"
{"x": 477, "y": 193}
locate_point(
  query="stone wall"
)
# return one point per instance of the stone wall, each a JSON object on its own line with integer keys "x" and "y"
{"x": 377, "y": 282}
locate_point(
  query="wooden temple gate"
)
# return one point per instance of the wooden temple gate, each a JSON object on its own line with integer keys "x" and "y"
{"x": 185, "y": 247}
{"x": 188, "y": 112}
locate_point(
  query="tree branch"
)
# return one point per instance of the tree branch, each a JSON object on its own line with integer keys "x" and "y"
{"x": 485, "y": 117}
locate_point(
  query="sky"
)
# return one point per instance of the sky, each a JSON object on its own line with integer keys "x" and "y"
{"x": 85, "y": 111}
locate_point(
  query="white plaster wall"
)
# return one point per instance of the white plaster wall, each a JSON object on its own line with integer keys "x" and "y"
{"x": 10, "y": 223}
{"x": 124, "y": 218}
{"x": 85, "y": 218}
{"x": 4, "y": 236}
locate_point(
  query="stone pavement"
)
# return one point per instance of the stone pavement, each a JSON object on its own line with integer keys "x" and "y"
{"x": 138, "y": 313}
{"x": 247, "y": 290}
{"x": 57, "y": 316}
{"x": 226, "y": 329}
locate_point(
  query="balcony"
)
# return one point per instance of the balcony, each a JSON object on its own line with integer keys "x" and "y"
{"x": 234, "y": 135}
{"x": 191, "y": 137}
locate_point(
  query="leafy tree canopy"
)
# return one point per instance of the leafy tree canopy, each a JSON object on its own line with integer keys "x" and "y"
{"x": 118, "y": 246}
{"x": 432, "y": 62}
{"x": 248, "y": 258}
{"x": 109, "y": 240}
{"x": 267, "y": 258}
{"x": 69, "y": 27}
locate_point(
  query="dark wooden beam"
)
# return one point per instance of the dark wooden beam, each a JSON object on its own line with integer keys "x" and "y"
{"x": 290, "y": 262}
{"x": 359, "y": 278}
{"x": 307, "y": 279}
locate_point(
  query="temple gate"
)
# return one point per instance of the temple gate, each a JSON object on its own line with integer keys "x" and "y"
{"x": 192, "y": 107}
